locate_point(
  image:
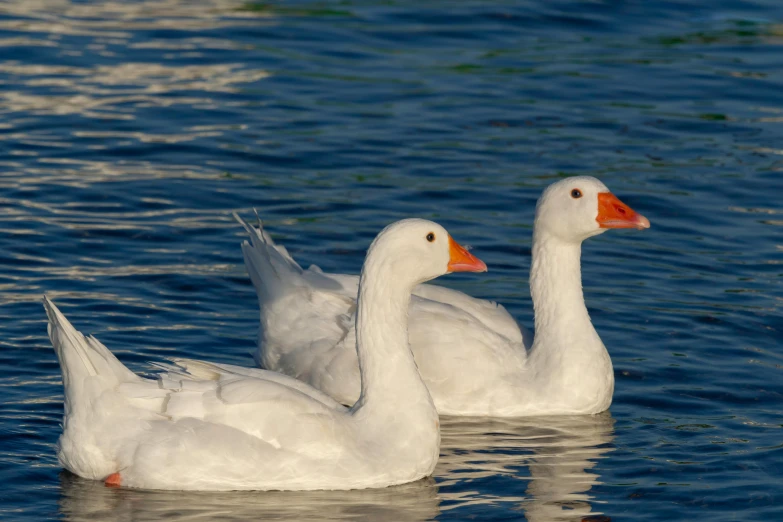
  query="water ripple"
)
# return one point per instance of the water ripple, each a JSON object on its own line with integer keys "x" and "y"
{"x": 132, "y": 130}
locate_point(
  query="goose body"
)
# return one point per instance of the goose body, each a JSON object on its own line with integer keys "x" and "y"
{"x": 472, "y": 354}
{"x": 204, "y": 426}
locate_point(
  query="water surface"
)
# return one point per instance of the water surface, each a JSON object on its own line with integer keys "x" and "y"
{"x": 131, "y": 130}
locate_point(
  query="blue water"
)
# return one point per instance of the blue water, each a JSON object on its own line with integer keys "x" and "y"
{"x": 131, "y": 130}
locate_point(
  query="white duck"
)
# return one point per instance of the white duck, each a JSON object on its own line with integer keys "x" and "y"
{"x": 218, "y": 427}
{"x": 473, "y": 356}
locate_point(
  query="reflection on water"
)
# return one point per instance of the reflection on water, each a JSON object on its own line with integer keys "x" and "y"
{"x": 558, "y": 452}
{"x": 91, "y": 500}
{"x": 115, "y": 91}
{"x": 561, "y": 467}
{"x": 115, "y": 19}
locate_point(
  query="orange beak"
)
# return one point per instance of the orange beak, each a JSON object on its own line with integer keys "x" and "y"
{"x": 460, "y": 260}
{"x": 613, "y": 213}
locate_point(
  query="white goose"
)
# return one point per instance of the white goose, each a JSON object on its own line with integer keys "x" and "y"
{"x": 473, "y": 356}
{"x": 218, "y": 427}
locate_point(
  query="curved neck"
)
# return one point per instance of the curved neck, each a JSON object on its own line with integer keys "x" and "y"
{"x": 389, "y": 374}
{"x": 556, "y": 288}
{"x": 573, "y": 369}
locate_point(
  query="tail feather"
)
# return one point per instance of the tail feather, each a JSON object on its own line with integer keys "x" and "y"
{"x": 271, "y": 269}
{"x": 82, "y": 356}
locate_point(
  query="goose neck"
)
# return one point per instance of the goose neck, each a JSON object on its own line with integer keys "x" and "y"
{"x": 389, "y": 374}
{"x": 573, "y": 369}
{"x": 556, "y": 285}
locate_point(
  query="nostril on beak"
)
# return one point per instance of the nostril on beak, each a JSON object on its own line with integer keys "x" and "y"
{"x": 621, "y": 210}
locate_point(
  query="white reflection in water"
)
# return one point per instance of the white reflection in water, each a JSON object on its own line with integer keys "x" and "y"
{"x": 558, "y": 452}
{"x": 84, "y": 173}
{"x": 91, "y": 500}
{"x": 115, "y": 90}
{"x": 113, "y": 19}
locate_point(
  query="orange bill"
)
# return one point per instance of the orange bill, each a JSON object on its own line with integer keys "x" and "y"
{"x": 613, "y": 213}
{"x": 460, "y": 260}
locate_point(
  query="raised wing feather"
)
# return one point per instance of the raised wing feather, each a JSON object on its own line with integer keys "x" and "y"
{"x": 276, "y": 408}
{"x": 307, "y": 331}
{"x": 232, "y": 373}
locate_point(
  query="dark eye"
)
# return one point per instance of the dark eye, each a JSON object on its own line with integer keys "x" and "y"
{"x": 576, "y": 193}
{"x": 430, "y": 237}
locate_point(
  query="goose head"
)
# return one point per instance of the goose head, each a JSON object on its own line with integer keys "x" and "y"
{"x": 417, "y": 250}
{"x": 580, "y": 207}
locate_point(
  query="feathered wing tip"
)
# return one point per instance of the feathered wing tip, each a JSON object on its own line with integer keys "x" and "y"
{"x": 260, "y": 237}
{"x": 81, "y": 356}
{"x": 269, "y": 266}
{"x": 254, "y": 231}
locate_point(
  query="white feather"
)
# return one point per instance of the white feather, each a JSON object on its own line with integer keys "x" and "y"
{"x": 472, "y": 354}
{"x": 220, "y": 427}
